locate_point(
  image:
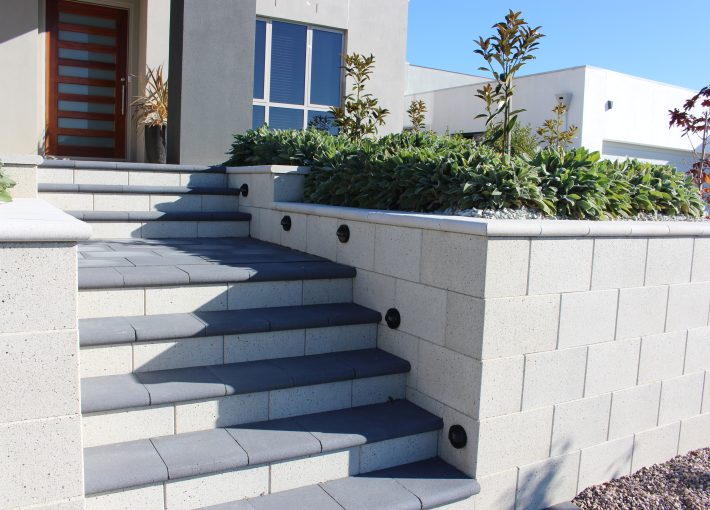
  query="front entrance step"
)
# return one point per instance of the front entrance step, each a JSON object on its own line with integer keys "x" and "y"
{"x": 119, "y": 345}
{"x": 420, "y": 485}
{"x": 133, "y": 174}
{"x": 159, "y": 225}
{"x": 134, "y": 406}
{"x": 263, "y": 457}
{"x": 180, "y": 276}
{"x": 139, "y": 198}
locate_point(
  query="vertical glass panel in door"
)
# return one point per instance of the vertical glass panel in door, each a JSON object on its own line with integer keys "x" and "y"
{"x": 259, "y": 59}
{"x": 285, "y": 118}
{"x": 325, "y": 68}
{"x": 288, "y": 63}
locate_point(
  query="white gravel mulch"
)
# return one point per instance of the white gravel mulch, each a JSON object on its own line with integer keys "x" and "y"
{"x": 526, "y": 213}
{"x": 682, "y": 483}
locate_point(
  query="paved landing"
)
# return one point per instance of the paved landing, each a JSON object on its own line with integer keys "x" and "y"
{"x": 152, "y": 262}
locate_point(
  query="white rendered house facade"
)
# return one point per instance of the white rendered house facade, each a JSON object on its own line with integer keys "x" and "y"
{"x": 617, "y": 114}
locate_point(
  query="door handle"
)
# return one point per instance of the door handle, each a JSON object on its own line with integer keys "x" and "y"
{"x": 123, "y": 96}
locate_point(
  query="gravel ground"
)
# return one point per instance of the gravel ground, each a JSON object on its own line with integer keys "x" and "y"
{"x": 682, "y": 483}
{"x": 525, "y": 213}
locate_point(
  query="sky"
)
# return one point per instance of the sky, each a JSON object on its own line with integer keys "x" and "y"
{"x": 648, "y": 38}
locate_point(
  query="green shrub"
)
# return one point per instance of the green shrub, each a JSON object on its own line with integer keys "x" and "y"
{"x": 5, "y": 184}
{"x": 422, "y": 171}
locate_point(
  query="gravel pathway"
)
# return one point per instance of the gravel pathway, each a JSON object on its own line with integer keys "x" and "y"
{"x": 682, "y": 483}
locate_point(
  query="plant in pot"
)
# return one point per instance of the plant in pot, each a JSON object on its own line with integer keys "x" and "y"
{"x": 150, "y": 112}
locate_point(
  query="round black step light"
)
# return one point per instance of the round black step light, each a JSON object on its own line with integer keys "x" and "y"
{"x": 457, "y": 436}
{"x": 343, "y": 233}
{"x": 244, "y": 189}
{"x": 392, "y": 318}
{"x": 286, "y": 223}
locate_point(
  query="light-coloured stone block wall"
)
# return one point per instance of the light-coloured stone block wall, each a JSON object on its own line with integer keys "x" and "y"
{"x": 40, "y": 420}
{"x": 570, "y": 353}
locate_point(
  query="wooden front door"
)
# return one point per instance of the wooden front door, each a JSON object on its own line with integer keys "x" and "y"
{"x": 86, "y": 80}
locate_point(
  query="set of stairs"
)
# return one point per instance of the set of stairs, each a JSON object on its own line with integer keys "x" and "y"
{"x": 217, "y": 369}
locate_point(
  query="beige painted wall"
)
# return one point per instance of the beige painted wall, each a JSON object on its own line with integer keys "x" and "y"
{"x": 19, "y": 101}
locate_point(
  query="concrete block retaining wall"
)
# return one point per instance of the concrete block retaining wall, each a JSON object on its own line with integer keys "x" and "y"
{"x": 571, "y": 352}
{"x": 40, "y": 421}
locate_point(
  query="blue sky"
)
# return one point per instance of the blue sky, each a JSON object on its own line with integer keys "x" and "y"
{"x": 643, "y": 38}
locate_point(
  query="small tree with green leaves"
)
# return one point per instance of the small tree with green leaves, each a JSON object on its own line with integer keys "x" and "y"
{"x": 505, "y": 54}
{"x": 417, "y": 114}
{"x": 523, "y": 141}
{"x": 5, "y": 184}
{"x": 552, "y": 130}
{"x": 360, "y": 114}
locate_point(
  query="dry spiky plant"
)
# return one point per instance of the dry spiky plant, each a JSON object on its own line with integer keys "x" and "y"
{"x": 151, "y": 110}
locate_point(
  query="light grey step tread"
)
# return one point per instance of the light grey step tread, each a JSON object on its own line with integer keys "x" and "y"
{"x": 121, "y": 330}
{"x": 134, "y": 189}
{"x": 140, "y": 389}
{"x": 132, "y": 216}
{"x": 123, "y": 465}
{"x": 127, "y": 166}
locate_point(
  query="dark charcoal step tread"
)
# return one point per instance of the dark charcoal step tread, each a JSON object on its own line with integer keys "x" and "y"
{"x": 148, "y": 328}
{"x": 135, "y": 190}
{"x": 202, "y": 274}
{"x": 122, "y": 465}
{"x": 132, "y": 263}
{"x": 131, "y": 216}
{"x": 140, "y": 389}
{"x": 421, "y": 485}
{"x": 126, "y": 166}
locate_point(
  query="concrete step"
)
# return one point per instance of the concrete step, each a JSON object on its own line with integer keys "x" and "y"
{"x": 121, "y": 173}
{"x": 430, "y": 483}
{"x": 231, "y": 463}
{"x": 120, "y": 345}
{"x": 159, "y": 225}
{"x": 139, "y": 198}
{"x": 131, "y": 278}
{"x": 134, "y": 406}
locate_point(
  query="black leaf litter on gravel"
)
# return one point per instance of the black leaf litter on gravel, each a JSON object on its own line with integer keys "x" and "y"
{"x": 682, "y": 483}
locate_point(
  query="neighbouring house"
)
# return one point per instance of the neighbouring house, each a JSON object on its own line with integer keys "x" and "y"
{"x": 617, "y": 114}
{"x": 75, "y": 67}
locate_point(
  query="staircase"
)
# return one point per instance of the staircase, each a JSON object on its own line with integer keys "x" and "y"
{"x": 221, "y": 370}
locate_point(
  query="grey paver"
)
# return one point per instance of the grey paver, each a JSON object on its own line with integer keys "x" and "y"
{"x": 274, "y": 440}
{"x": 317, "y": 369}
{"x": 105, "y": 330}
{"x": 176, "y": 385}
{"x": 368, "y": 424}
{"x": 198, "y": 453}
{"x": 251, "y": 377}
{"x": 122, "y": 465}
{"x": 112, "y": 392}
{"x": 433, "y": 481}
{"x": 311, "y": 497}
{"x": 151, "y": 276}
{"x": 356, "y": 493}
{"x": 372, "y": 362}
{"x": 167, "y": 326}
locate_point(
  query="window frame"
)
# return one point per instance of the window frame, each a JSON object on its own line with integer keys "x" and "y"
{"x": 308, "y": 106}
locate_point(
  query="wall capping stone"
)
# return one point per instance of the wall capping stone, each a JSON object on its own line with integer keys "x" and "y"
{"x": 505, "y": 228}
{"x": 34, "y": 220}
{"x": 268, "y": 169}
{"x": 21, "y": 159}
